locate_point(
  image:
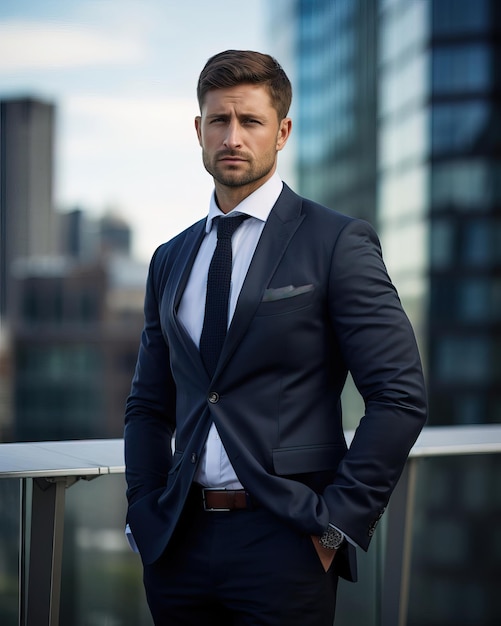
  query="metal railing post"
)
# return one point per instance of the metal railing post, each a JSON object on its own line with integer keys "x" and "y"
{"x": 397, "y": 560}
{"x": 42, "y": 585}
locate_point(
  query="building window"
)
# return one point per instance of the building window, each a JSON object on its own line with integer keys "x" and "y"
{"x": 459, "y": 17}
{"x": 403, "y": 30}
{"x": 405, "y": 84}
{"x": 463, "y": 359}
{"x": 475, "y": 300}
{"x": 476, "y": 249}
{"x": 460, "y": 69}
{"x": 403, "y": 192}
{"x": 404, "y": 140}
{"x": 443, "y": 237}
{"x": 473, "y": 303}
{"x": 464, "y": 185}
{"x": 463, "y": 127}
{"x": 468, "y": 242}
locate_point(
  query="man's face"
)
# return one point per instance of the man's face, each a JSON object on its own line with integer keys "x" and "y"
{"x": 240, "y": 135}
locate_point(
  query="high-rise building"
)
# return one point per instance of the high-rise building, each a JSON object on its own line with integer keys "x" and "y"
{"x": 464, "y": 333}
{"x": 329, "y": 50}
{"x": 26, "y": 184}
{"x": 397, "y": 111}
{"x": 68, "y": 348}
{"x": 397, "y": 121}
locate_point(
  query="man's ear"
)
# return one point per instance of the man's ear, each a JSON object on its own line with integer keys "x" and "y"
{"x": 198, "y": 127}
{"x": 284, "y": 131}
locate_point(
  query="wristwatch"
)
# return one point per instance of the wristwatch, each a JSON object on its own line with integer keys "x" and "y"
{"x": 332, "y": 538}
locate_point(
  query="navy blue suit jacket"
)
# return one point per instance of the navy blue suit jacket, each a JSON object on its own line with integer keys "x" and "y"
{"x": 316, "y": 303}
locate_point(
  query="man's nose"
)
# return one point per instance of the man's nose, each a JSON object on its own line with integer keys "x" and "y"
{"x": 233, "y": 137}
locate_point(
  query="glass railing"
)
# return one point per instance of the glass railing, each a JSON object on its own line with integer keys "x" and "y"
{"x": 435, "y": 558}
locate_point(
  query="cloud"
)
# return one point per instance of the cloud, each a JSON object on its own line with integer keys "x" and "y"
{"x": 27, "y": 45}
{"x": 141, "y": 120}
{"x": 123, "y": 77}
{"x": 138, "y": 154}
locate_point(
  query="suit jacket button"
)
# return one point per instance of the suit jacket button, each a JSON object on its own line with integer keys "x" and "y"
{"x": 213, "y": 397}
{"x": 193, "y": 457}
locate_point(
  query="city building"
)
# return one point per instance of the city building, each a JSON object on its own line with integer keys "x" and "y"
{"x": 397, "y": 109}
{"x": 74, "y": 332}
{"x": 70, "y": 296}
{"x": 26, "y": 184}
{"x": 71, "y": 299}
{"x": 85, "y": 237}
{"x": 397, "y": 121}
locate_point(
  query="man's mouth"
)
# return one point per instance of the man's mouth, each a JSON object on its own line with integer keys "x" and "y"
{"x": 232, "y": 158}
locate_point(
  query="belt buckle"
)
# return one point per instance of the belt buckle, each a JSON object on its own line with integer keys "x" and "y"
{"x": 207, "y": 508}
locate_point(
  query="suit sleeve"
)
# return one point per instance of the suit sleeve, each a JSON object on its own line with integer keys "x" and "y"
{"x": 150, "y": 407}
{"x": 379, "y": 348}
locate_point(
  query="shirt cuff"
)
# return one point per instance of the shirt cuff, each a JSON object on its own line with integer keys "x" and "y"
{"x": 348, "y": 539}
{"x": 130, "y": 539}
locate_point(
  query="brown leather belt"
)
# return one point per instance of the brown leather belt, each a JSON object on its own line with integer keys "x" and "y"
{"x": 226, "y": 500}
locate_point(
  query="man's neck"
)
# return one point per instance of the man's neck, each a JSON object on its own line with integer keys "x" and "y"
{"x": 228, "y": 198}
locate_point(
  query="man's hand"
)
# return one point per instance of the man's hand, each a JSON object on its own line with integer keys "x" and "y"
{"x": 326, "y": 555}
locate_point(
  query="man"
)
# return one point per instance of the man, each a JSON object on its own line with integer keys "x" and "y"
{"x": 244, "y": 501}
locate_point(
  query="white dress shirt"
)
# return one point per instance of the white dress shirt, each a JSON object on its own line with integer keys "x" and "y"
{"x": 215, "y": 469}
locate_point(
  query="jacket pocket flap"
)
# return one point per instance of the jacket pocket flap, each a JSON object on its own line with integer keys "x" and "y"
{"x": 303, "y": 459}
{"x": 289, "y": 291}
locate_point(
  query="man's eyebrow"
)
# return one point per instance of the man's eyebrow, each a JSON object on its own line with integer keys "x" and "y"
{"x": 216, "y": 114}
{"x": 242, "y": 114}
{"x": 256, "y": 114}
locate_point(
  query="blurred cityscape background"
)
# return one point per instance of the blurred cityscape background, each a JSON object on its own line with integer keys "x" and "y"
{"x": 397, "y": 120}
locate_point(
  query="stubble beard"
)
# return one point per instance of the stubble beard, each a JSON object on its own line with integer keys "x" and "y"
{"x": 236, "y": 177}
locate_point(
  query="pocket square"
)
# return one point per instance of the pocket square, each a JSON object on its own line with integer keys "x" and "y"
{"x": 289, "y": 291}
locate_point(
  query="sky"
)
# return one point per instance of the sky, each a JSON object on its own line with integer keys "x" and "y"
{"x": 122, "y": 74}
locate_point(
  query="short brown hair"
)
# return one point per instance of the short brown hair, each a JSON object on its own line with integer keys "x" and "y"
{"x": 235, "y": 67}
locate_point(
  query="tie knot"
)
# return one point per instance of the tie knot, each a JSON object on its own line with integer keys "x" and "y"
{"x": 226, "y": 226}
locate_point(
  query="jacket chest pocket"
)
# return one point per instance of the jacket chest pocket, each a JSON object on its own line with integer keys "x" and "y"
{"x": 283, "y": 300}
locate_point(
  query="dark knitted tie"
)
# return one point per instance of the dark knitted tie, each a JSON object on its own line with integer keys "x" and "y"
{"x": 218, "y": 291}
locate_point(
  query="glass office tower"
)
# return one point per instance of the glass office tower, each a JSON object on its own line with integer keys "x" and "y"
{"x": 329, "y": 51}
{"x": 439, "y": 219}
{"x": 465, "y": 212}
{"x": 397, "y": 110}
{"x": 403, "y": 148}
{"x": 397, "y": 121}
{"x": 336, "y": 88}
{"x": 440, "y": 192}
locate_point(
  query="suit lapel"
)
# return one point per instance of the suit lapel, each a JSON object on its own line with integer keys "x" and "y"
{"x": 180, "y": 273}
{"x": 280, "y": 227}
{"x": 185, "y": 260}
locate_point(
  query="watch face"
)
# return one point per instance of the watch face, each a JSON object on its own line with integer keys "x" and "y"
{"x": 332, "y": 539}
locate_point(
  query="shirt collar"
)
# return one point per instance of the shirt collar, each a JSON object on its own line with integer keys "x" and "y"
{"x": 258, "y": 204}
